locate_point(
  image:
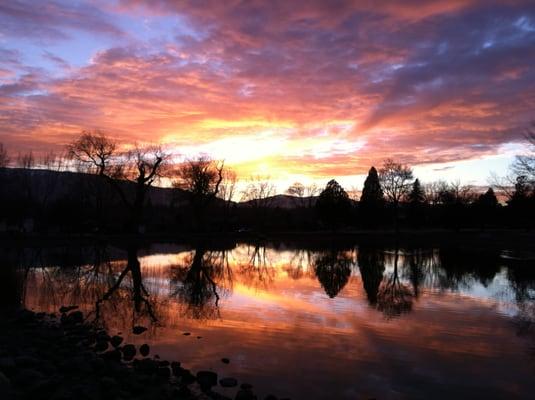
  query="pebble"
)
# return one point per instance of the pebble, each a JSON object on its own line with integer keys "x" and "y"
{"x": 129, "y": 352}
{"x": 138, "y": 330}
{"x": 116, "y": 341}
{"x": 144, "y": 350}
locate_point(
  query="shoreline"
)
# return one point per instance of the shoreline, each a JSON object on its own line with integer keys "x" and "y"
{"x": 511, "y": 238}
{"x": 43, "y": 356}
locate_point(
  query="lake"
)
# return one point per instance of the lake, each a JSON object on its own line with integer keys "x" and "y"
{"x": 307, "y": 322}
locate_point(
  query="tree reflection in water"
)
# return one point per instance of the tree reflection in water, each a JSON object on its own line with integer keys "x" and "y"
{"x": 195, "y": 283}
{"x": 333, "y": 269}
{"x": 136, "y": 293}
{"x": 393, "y": 296}
{"x": 371, "y": 264}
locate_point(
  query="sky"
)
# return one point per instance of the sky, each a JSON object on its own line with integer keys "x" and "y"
{"x": 298, "y": 90}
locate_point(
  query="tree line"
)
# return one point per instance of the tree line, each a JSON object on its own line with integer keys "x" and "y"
{"x": 114, "y": 190}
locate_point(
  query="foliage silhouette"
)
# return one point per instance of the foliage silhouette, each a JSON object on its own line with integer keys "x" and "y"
{"x": 333, "y": 204}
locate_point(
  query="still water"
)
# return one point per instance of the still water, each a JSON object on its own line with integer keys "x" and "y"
{"x": 322, "y": 323}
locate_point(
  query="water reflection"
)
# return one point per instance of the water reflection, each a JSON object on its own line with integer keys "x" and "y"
{"x": 134, "y": 292}
{"x": 333, "y": 268}
{"x": 392, "y": 311}
{"x": 198, "y": 280}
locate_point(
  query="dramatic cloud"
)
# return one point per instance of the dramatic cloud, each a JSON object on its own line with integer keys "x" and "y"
{"x": 315, "y": 88}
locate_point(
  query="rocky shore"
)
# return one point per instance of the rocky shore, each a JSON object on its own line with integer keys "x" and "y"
{"x": 60, "y": 357}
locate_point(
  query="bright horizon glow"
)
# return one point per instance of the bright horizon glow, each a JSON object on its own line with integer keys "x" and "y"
{"x": 299, "y": 91}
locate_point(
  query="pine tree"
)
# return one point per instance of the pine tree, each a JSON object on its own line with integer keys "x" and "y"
{"x": 488, "y": 200}
{"x": 372, "y": 194}
{"x": 416, "y": 195}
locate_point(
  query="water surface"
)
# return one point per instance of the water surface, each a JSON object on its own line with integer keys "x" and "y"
{"x": 322, "y": 323}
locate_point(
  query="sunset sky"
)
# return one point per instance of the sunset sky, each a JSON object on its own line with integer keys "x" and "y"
{"x": 299, "y": 90}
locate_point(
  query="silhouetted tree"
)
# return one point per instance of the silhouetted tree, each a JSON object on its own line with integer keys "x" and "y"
{"x": 333, "y": 204}
{"x": 296, "y": 189}
{"x": 4, "y": 157}
{"x": 488, "y": 200}
{"x": 201, "y": 178}
{"x": 416, "y": 196}
{"x": 395, "y": 181}
{"x": 416, "y": 201}
{"x": 372, "y": 193}
{"x": 258, "y": 191}
{"x": 524, "y": 165}
{"x": 26, "y": 160}
{"x": 142, "y": 166}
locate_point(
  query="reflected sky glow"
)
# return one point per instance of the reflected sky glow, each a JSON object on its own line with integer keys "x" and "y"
{"x": 321, "y": 323}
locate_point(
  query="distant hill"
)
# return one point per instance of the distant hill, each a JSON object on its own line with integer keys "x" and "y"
{"x": 46, "y": 185}
{"x": 283, "y": 201}
{"x": 53, "y": 185}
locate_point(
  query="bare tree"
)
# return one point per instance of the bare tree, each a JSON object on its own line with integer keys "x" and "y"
{"x": 227, "y": 189}
{"x": 143, "y": 166}
{"x": 396, "y": 180}
{"x": 4, "y": 157}
{"x": 311, "y": 191}
{"x": 94, "y": 152}
{"x": 26, "y": 160}
{"x": 258, "y": 191}
{"x": 455, "y": 193}
{"x": 524, "y": 165}
{"x": 296, "y": 189}
{"x": 201, "y": 178}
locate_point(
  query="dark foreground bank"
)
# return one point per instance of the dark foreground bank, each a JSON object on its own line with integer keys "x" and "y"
{"x": 43, "y": 356}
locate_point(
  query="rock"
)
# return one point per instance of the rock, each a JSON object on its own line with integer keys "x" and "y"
{"x": 246, "y": 386}
{"x": 76, "y": 317}
{"x": 206, "y": 379}
{"x": 199, "y": 337}
{"x": 228, "y": 382}
{"x": 129, "y": 352}
{"x": 138, "y": 330}
{"x": 102, "y": 335}
{"x": 163, "y": 363}
{"x": 225, "y": 361}
{"x": 163, "y": 372}
{"x": 146, "y": 366}
{"x": 66, "y": 309}
{"x": 175, "y": 367}
{"x": 245, "y": 395}
{"x": 116, "y": 341}
{"x": 144, "y": 350}
{"x": 186, "y": 333}
{"x": 112, "y": 355}
{"x": 101, "y": 345}
{"x": 185, "y": 375}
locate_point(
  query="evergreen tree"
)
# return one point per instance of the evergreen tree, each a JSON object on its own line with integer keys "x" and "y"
{"x": 488, "y": 200}
{"x": 333, "y": 204}
{"x": 372, "y": 194}
{"x": 416, "y": 195}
